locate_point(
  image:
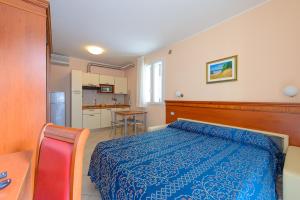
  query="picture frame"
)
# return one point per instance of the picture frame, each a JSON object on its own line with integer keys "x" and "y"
{"x": 222, "y": 70}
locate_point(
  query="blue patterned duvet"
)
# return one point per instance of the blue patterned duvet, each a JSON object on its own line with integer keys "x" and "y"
{"x": 187, "y": 160}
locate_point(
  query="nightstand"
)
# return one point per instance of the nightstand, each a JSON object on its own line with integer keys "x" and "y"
{"x": 291, "y": 174}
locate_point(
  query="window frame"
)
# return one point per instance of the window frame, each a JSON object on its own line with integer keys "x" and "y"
{"x": 152, "y": 63}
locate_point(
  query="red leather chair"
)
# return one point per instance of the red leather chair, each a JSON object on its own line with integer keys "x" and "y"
{"x": 59, "y": 163}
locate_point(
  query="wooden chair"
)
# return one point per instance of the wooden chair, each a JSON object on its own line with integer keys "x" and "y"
{"x": 59, "y": 163}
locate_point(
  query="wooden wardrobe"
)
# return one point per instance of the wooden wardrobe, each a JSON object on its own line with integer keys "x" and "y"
{"x": 23, "y": 66}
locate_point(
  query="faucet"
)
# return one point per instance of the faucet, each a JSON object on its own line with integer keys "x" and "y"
{"x": 114, "y": 99}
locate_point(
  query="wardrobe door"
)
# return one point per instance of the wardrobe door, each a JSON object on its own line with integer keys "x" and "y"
{"x": 22, "y": 75}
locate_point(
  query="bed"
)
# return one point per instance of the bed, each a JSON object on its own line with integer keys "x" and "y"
{"x": 188, "y": 160}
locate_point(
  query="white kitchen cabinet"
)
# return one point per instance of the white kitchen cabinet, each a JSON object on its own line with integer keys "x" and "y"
{"x": 105, "y": 118}
{"x": 76, "y": 109}
{"x": 91, "y": 121}
{"x": 120, "y": 85}
{"x": 76, "y": 99}
{"x": 91, "y": 111}
{"x": 90, "y": 79}
{"x": 76, "y": 80}
{"x": 91, "y": 118}
{"x": 108, "y": 80}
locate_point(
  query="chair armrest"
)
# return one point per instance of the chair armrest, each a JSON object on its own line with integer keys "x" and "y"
{"x": 291, "y": 174}
{"x": 155, "y": 128}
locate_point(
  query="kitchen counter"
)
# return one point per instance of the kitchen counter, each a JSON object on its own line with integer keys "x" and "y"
{"x": 103, "y": 106}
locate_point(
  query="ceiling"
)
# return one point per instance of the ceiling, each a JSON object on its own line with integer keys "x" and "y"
{"x": 127, "y": 29}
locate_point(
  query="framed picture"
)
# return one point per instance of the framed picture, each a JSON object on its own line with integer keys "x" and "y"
{"x": 224, "y": 69}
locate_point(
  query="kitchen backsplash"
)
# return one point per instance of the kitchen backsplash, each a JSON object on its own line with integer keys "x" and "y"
{"x": 90, "y": 95}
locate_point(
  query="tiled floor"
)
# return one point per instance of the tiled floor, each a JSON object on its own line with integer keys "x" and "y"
{"x": 89, "y": 192}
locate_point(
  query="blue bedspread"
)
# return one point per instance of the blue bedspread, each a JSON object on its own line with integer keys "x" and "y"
{"x": 185, "y": 161}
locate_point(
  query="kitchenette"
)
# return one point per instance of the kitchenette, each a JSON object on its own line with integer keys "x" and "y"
{"x": 95, "y": 98}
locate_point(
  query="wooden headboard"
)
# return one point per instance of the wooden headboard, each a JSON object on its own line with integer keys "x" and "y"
{"x": 282, "y": 118}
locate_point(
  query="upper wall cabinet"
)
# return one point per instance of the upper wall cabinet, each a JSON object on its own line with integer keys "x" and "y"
{"x": 109, "y": 80}
{"x": 120, "y": 85}
{"x": 89, "y": 79}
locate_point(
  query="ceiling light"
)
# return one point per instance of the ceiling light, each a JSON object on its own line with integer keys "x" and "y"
{"x": 95, "y": 50}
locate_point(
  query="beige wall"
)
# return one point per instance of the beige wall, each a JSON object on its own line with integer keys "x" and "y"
{"x": 267, "y": 43}
{"x": 59, "y": 78}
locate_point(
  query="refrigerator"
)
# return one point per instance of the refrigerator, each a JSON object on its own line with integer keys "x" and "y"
{"x": 58, "y": 108}
{"x": 76, "y": 99}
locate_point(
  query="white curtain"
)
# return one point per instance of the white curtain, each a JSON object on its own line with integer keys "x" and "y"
{"x": 140, "y": 89}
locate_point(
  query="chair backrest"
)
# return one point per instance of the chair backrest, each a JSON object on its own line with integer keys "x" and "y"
{"x": 59, "y": 163}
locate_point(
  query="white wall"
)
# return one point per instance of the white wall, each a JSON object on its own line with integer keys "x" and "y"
{"x": 267, "y": 43}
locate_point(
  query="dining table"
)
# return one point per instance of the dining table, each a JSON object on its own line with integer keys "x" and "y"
{"x": 133, "y": 114}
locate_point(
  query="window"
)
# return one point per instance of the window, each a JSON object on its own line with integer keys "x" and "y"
{"x": 152, "y": 78}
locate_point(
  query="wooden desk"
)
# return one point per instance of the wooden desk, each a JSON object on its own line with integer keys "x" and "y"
{"x": 17, "y": 166}
{"x": 133, "y": 113}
